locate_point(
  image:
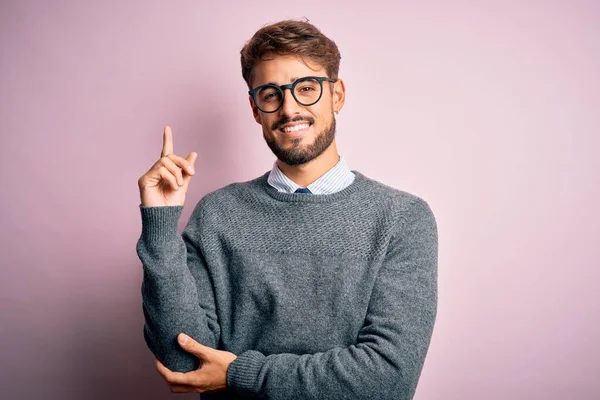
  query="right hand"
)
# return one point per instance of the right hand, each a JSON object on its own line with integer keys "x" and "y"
{"x": 166, "y": 183}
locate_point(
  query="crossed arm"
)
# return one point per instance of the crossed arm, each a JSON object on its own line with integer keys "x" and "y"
{"x": 385, "y": 362}
{"x": 171, "y": 291}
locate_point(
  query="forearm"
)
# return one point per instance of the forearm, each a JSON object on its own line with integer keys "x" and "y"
{"x": 356, "y": 372}
{"x": 170, "y": 297}
{"x": 385, "y": 363}
{"x": 390, "y": 350}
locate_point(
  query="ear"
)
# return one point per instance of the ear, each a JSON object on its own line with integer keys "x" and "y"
{"x": 339, "y": 95}
{"x": 255, "y": 111}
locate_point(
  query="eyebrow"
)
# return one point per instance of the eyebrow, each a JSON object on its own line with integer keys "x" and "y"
{"x": 292, "y": 79}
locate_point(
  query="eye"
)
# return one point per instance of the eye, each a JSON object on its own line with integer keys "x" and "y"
{"x": 308, "y": 86}
{"x": 268, "y": 94}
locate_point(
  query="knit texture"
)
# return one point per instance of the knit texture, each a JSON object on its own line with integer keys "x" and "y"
{"x": 328, "y": 296}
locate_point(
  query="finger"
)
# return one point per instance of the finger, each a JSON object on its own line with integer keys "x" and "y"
{"x": 173, "y": 168}
{"x": 191, "y": 159}
{"x": 193, "y": 347}
{"x": 186, "y": 342}
{"x": 160, "y": 367}
{"x": 167, "y": 142}
{"x": 172, "y": 378}
{"x": 182, "y": 163}
{"x": 169, "y": 177}
{"x": 183, "y": 389}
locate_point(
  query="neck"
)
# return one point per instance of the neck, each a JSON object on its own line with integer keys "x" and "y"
{"x": 305, "y": 174}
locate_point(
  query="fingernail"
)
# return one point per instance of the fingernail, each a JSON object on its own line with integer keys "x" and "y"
{"x": 183, "y": 338}
{"x": 190, "y": 169}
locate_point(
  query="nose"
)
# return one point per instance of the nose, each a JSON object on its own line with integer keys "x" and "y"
{"x": 289, "y": 106}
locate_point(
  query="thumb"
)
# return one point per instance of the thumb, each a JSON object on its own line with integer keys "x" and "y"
{"x": 191, "y": 346}
{"x": 191, "y": 158}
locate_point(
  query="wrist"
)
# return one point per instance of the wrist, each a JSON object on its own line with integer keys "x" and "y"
{"x": 160, "y": 223}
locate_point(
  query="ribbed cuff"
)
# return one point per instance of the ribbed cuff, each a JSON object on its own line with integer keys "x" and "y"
{"x": 160, "y": 224}
{"x": 242, "y": 373}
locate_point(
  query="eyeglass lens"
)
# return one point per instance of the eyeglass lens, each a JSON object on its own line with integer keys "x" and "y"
{"x": 306, "y": 92}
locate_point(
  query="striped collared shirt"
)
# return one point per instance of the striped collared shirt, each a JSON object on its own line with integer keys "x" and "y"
{"x": 334, "y": 180}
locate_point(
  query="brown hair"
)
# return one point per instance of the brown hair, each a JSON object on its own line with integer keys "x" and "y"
{"x": 290, "y": 37}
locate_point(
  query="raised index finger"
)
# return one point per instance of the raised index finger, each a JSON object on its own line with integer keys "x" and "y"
{"x": 167, "y": 142}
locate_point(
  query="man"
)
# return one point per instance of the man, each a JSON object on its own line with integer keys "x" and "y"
{"x": 311, "y": 281}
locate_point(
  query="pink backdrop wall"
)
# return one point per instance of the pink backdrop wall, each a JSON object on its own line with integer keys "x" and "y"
{"x": 489, "y": 112}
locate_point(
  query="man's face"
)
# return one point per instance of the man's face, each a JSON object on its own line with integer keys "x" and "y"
{"x": 298, "y": 146}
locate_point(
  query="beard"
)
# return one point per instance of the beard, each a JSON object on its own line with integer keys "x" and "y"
{"x": 298, "y": 154}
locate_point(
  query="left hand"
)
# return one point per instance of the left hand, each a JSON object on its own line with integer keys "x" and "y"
{"x": 210, "y": 376}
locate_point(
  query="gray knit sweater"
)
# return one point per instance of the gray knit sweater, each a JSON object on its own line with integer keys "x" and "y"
{"x": 320, "y": 296}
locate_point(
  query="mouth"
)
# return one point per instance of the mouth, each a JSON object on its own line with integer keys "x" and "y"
{"x": 295, "y": 129}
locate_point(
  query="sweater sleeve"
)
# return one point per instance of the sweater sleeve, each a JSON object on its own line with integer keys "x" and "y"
{"x": 387, "y": 359}
{"x": 177, "y": 295}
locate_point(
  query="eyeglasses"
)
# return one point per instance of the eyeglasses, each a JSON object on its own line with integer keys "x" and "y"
{"x": 306, "y": 91}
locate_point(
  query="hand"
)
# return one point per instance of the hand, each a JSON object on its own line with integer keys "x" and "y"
{"x": 166, "y": 183}
{"x": 210, "y": 376}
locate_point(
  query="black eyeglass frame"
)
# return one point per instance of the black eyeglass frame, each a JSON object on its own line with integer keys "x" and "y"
{"x": 292, "y": 87}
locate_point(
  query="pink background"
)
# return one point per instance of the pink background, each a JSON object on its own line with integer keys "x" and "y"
{"x": 489, "y": 112}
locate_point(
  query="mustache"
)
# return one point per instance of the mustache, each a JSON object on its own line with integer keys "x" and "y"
{"x": 286, "y": 120}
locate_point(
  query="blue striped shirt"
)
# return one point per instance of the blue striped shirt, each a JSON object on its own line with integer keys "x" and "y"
{"x": 334, "y": 180}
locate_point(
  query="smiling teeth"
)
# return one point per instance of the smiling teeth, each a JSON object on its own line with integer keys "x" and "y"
{"x": 295, "y": 128}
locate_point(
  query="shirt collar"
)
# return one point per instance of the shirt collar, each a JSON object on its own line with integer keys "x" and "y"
{"x": 334, "y": 180}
